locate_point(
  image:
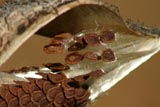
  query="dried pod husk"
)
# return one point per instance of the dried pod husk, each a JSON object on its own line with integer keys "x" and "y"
{"x": 131, "y": 45}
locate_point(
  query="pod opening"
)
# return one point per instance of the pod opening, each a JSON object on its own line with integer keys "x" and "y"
{"x": 83, "y": 17}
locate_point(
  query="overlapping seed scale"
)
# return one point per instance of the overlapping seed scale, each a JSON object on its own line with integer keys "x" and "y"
{"x": 3, "y": 103}
{"x": 57, "y": 78}
{"x": 7, "y": 99}
{"x": 54, "y": 90}
{"x": 73, "y": 90}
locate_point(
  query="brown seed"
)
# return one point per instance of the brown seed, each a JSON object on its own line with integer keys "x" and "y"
{"x": 80, "y": 93}
{"x": 33, "y": 87}
{"x": 76, "y": 46}
{"x": 37, "y": 96}
{"x": 91, "y": 56}
{"x": 1, "y": 100}
{"x": 25, "y": 87}
{"x": 56, "y": 78}
{"x": 54, "y": 48}
{"x": 82, "y": 78}
{"x": 3, "y": 104}
{"x": 57, "y": 40}
{"x": 21, "y": 92}
{"x": 39, "y": 83}
{"x": 69, "y": 93}
{"x": 9, "y": 96}
{"x": 25, "y": 69}
{"x": 46, "y": 86}
{"x": 24, "y": 100}
{"x": 3, "y": 91}
{"x": 31, "y": 104}
{"x": 13, "y": 103}
{"x": 107, "y": 36}
{"x": 82, "y": 102}
{"x": 44, "y": 75}
{"x": 56, "y": 67}
{"x": 108, "y": 55}
{"x": 52, "y": 92}
{"x": 69, "y": 102}
{"x": 44, "y": 102}
{"x": 59, "y": 99}
{"x": 73, "y": 58}
{"x": 73, "y": 84}
{"x": 80, "y": 40}
{"x": 65, "y": 84}
{"x": 14, "y": 89}
{"x": 96, "y": 74}
{"x": 50, "y": 105}
{"x": 13, "y": 70}
{"x": 65, "y": 35}
{"x": 92, "y": 39}
{"x": 83, "y": 99}
{"x": 31, "y": 80}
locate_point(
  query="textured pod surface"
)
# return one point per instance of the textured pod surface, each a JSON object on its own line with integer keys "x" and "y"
{"x": 29, "y": 16}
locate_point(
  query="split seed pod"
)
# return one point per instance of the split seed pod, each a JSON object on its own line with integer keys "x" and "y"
{"x": 130, "y": 45}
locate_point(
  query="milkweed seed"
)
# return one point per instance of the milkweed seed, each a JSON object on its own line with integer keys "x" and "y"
{"x": 56, "y": 67}
{"x": 76, "y": 47}
{"x": 54, "y": 48}
{"x": 108, "y": 55}
{"x": 92, "y": 39}
{"x": 73, "y": 58}
{"x": 107, "y": 36}
{"x": 91, "y": 56}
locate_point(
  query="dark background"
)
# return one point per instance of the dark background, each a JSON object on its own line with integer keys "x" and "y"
{"x": 140, "y": 89}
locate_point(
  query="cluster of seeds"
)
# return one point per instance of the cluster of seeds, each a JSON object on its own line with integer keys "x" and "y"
{"x": 73, "y": 44}
{"x": 58, "y": 43}
{"x": 53, "y": 90}
{"x": 75, "y": 57}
